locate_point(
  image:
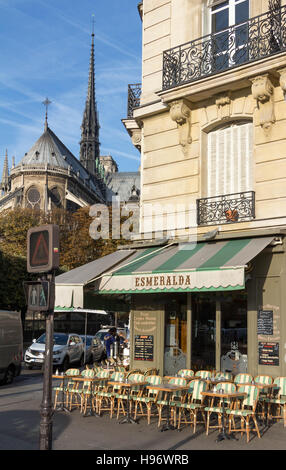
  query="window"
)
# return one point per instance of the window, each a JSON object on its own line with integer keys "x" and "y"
{"x": 229, "y": 44}
{"x": 33, "y": 198}
{"x": 229, "y": 160}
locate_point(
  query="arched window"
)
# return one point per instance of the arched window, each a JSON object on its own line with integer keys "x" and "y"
{"x": 229, "y": 162}
{"x": 56, "y": 197}
{"x": 33, "y": 198}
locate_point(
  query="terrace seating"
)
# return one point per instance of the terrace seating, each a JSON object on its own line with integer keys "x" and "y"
{"x": 278, "y": 401}
{"x": 175, "y": 398}
{"x": 148, "y": 399}
{"x": 107, "y": 396}
{"x": 243, "y": 378}
{"x": 203, "y": 374}
{"x": 218, "y": 409}
{"x": 186, "y": 373}
{"x": 193, "y": 404}
{"x": 133, "y": 393}
{"x": 247, "y": 411}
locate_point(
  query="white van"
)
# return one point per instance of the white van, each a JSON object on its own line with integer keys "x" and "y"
{"x": 11, "y": 345}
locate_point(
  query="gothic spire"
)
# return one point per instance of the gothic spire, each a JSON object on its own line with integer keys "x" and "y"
{"x": 89, "y": 144}
{"x": 5, "y": 174}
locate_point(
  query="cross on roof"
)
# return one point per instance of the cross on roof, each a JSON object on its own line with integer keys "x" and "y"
{"x": 46, "y": 103}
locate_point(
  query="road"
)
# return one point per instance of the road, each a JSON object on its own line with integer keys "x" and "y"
{"x": 20, "y": 418}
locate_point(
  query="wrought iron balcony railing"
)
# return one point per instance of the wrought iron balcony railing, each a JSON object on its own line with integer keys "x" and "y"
{"x": 258, "y": 38}
{"x": 134, "y": 94}
{"x": 226, "y": 209}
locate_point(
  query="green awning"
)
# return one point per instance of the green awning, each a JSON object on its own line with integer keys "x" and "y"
{"x": 187, "y": 267}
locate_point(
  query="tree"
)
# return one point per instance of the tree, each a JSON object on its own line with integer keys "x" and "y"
{"x": 76, "y": 246}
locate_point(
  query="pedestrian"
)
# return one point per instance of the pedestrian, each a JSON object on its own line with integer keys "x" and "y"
{"x": 109, "y": 339}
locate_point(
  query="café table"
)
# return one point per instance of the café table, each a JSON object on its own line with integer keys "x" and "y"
{"x": 63, "y": 377}
{"x": 128, "y": 385}
{"x": 224, "y": 395}
{"x": 168, "y": 388}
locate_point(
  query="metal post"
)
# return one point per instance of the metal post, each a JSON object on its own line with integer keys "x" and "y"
{"x": 46, "y": 411}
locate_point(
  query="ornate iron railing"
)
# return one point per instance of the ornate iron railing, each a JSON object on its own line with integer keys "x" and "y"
{"x": 259, "y": 37}
{"x": 229, "y": 208}
{"x": 134, "y": 94}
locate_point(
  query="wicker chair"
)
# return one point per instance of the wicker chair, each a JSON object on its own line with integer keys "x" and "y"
{"x": 193, "y": 404}
{"x": 220, "y": 407}
{"x": 247, "y": 411}
{"x": 148, "y": 399}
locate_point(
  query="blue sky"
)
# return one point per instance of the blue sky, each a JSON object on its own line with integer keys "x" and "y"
{"x": 45, "y": 51}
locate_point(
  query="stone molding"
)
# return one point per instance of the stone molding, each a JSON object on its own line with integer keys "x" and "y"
{"x": 263, "y": 92}
{"x": 181, "y": 114}
{"x": 223, "y": 103}
{"x": 282, "y": 73}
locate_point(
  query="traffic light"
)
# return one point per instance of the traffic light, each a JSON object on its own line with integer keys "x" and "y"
{"x": 37, "y": 295}
{"x": 43, "y": 249}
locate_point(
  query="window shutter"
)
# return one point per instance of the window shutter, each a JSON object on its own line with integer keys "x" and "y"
{"x": 229, "y": 160}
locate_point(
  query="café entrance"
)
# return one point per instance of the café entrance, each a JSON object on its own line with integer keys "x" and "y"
{"x": 218, "y": 326}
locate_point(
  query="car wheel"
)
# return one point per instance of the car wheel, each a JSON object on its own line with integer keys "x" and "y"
{"x": 103, "y": 357}
{"x": 65, "y": 364}
{"x": 9, "y": 375}
{"x": 29, "y": 367}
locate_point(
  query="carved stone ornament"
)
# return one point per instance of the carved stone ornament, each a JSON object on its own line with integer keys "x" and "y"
{"x": 136, "y": 139}
{"x": 283, "y": 80}
{"x": 181, "y": 114}
{"x": 223, "y": 102}
{"x": 262, "y": 92}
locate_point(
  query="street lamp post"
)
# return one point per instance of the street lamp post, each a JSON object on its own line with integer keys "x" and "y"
{"x": 46, "y": 411}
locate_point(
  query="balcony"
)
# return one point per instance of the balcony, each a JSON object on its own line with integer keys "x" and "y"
{"x": 134, "y": 94}
{"x": 260, "y": 37}
{"x": 226, "y": 209}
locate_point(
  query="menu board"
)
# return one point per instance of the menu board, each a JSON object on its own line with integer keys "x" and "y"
{"x": 144, "y": 348}
{"x": 265, "y": 322}
{"x": 268, "y": 354}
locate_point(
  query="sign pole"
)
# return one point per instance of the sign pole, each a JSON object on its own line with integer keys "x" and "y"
{"x": 46, "y": 411}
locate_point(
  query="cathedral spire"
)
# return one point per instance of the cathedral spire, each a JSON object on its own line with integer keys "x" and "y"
{"x": 89, "y": 144}
{"x": 5, "y": 174}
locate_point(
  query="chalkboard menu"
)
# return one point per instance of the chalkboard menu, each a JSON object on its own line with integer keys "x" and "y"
{"x": 265, "y": 322}
{"x": 144, "y": 348}
{"x": 268, "y": 354}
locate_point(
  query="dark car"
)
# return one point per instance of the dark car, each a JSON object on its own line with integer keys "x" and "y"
{"x": 95, "y": 351}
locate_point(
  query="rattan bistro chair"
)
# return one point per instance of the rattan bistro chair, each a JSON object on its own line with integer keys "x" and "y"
{"x": 243, "y": 378}
{"x": 193, "y": 404}
{"x": 220, "y": 407}
{"x": 247, "y": 411}
{"x": 175, "y": 398}
{"x": 134, "y": 392}
{"x": 278, "y": 401}
{"x": 186, "y": 373}
{"x": 203, "y": 374}
{"x": 148, "y": 399}
{"x": 105, "y": 399}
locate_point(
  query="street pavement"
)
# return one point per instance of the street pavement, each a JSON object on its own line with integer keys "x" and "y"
{"x": 20, "y": 418}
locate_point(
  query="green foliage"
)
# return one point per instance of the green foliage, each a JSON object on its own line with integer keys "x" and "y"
{"x": 76, "y": 247}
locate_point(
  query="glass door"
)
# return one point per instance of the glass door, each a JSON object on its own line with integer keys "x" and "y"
{"x": 229, "y": 41}
{"x": 233, "y": 307}
{"x": 175, "y": 352}
{"x": 203, "y": 344}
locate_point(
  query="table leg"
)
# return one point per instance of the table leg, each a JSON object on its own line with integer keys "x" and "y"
{"x": 223, "y": 435}
{"x": 90, "y": 412}
{"x": 128, "y": 418}
{"x": 168, "y": 425}
{"x": 62, "y": 406}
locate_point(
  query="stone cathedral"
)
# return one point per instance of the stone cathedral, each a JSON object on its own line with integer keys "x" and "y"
{"x": 50, "y": 176}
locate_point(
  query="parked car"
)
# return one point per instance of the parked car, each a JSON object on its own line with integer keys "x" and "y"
{"x": 68, "y": 349}
{"x": 94, "y": 349}
{"x": 97, "y": 350}
{"x": 11, "y": 345}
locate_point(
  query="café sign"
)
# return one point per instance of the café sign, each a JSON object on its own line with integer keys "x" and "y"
{"x": 164, "y": 280}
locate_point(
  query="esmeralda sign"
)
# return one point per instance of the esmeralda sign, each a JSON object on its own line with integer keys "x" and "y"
{"x": 203, "y": 280}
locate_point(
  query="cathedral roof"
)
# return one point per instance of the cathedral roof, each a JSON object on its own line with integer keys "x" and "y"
{"x": 123, "y": 184}
{"x": 49, "y": 150}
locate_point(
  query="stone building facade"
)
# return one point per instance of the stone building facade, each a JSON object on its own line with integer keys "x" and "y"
{"x": 210, "y": 121}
